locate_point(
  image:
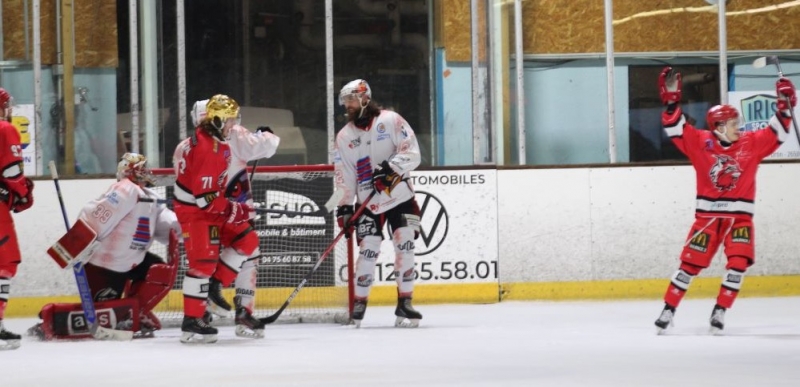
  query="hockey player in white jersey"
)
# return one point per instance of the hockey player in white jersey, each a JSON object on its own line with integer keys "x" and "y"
{"x": 245, "y": 146}
{"x": 376, "y": 150}
{"x": 112, "y": 236}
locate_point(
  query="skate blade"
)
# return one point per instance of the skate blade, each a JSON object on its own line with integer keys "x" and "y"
{"x": 10, "y": 344}
{"x": 244, "y": 331}
{"x": 357, "y": 323}
{"x": 714, "y": 331}
{"x": 402, "y": 322}
{"x": 187, "y": 338}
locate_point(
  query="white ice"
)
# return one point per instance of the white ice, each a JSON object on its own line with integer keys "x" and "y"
{"x": 506, "y": 344}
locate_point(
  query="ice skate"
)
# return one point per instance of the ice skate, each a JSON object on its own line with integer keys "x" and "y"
{"x": 359, "y": 308}
{"x": 664, "y": 321}
{"x": 196, "y": 326}
{"x": 246, "y": 324}
{"x": 407, "y": 316}
{"x": 717, "y": 320}
{"x": 8, "y": 340}
{"x": 216, "y": 302}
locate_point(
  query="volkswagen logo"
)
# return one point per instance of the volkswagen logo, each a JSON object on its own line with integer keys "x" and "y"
{"x": 434, "y": 223}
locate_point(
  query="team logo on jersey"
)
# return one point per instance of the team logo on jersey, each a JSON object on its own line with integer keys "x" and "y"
{"x": 756, "y": 111}
{"x": 699, "y": 242}
{"x": 354, "y": 143}
{"x": 740, "y": 235}
{"x": 725, "y": 172}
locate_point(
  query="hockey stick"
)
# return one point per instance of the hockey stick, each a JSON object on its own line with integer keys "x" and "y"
{"x": 272, "y": 318}
{"x": 87, "y": 302}
{"x": 329, "y": 206}
{"x": 773, "y": 59}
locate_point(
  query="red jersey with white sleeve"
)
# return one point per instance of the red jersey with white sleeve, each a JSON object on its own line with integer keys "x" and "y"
{"x": 126, "y": 226}
{"x": 358, "y": 152}
{"x": 245, "y": 146}
{"x": 11, "y": 164}
{"x": 726, "y": 176}
{"x": 201, "y": 169}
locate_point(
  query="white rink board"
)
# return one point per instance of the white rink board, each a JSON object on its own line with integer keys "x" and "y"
{"x": 461, "y": 247}
{"x": 540, "y": 225}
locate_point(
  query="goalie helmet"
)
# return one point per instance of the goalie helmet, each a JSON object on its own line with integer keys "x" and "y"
{"x": 355, "y": 89}
{"x": 133, "y": 166}
{"x": 199, "y": 112}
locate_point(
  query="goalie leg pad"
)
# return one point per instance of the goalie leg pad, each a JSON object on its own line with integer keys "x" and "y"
{"x": 403, "y": 238}
{"x": 369, "y": 251}
{"x": 67, "y": 321}
{"x": 76, "y": 245}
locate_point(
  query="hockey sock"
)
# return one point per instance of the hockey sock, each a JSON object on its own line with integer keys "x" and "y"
{"x": 678, "y": 285}
{"x": 365, "y": 265}
{"x": 729, "y": 289}
{"x": 195, "y": 296}
{"x": 404, "y": 260}
{"x": 246, "y": 285}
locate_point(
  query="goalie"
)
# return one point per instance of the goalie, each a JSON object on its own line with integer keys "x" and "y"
{"x": 112, "y": 236}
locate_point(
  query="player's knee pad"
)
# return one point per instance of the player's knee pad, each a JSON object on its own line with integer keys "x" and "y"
{"x": 67, "y": 321}
{"x": 156, "y": 285}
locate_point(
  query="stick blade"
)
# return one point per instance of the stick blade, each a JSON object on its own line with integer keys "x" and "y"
{"x": 337, "y": 196}
{"x": 760, "y": 63}
{"x": 772, "y": 60}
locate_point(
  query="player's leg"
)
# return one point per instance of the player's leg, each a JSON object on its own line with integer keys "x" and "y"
{"x": 202, "y": 243}
{"x": 740, "y": 250}
{"x": 701, "y": 245}
{"x": 243, "y": 246}
{"x": 238, "y": 241}
{"x": 369, "y": 236}
{"x": 404, "y": 223}
{"x": 10, "y": 258}
{"x": 246, "y": 324}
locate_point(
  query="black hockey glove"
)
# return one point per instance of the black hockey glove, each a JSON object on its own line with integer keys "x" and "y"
{"x": 343, "y": 216}
{"x": 384, "y": 178}
{"x": 265, "y": 129}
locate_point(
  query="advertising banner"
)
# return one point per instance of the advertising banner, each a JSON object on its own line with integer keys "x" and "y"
{"x": 757, "y": 107}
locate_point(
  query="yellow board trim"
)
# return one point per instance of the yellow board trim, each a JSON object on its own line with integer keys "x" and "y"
{"x": 474, "y": 293}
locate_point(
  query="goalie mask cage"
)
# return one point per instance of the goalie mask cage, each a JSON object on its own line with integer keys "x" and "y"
{"x": 290, "y": 245}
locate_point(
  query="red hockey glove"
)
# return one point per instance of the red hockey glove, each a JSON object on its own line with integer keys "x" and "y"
{"x": 785, "y": 91}
{"x": 343, "y": 216}
{"x": 669, "y": 86}
{"x": 384, "y": 178}
{"x": 23, "y": 203}
{"x": 240, "y": 213}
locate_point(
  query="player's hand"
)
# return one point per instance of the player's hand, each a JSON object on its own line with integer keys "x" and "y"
{"x": 240, "y": 213}
{"x": 669, "y": 86}
{"x": 384, "y": 178}
{"x": 265, "y": 129}
{"x": 787, "y": 95}
{"x": 23, "y": 203}
{"x": 343, "y": 216}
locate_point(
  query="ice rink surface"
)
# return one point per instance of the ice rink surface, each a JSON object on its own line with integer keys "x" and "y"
{"x": 506, "y": 344}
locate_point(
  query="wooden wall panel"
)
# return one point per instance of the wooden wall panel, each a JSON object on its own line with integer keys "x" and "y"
{"x": 95, "y": 32}
{"x": 457, "y": 35}
{"x": 577, "y": 26}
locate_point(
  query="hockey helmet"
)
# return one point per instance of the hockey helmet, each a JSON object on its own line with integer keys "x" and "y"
{"x": 199, "y": 112}
{"x": 134, "y": 167}
{"x": 6, "y": 102}
{"x": 720, "y": 115}
{"x": 355, "y": 89}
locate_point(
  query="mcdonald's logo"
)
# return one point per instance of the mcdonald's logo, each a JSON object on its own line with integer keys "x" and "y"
{"x": 213, "y": 235}
{"x": 699, "y": 242}
{"x": 741, "y": 235}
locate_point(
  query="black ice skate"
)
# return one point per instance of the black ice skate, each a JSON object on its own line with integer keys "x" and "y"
{"x": 8, "y": 340}
{"x": 246, "y": 324}
{"x": 196, "y": 326}
{"x": 717, "y": 319}
{"x": 665, "y": 319}
{"x": 217, "y": 304}
{"x": 359, "y": 308}
{"x": 407, "y": 316}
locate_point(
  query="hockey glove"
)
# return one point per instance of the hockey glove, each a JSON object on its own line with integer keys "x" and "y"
{"x": 669, "y": 86}
{"x": 25, "y": 202}
{"x": 343, "y": 216}
{"x": 239, "y": 213}
{"x": 384, "y": 178}
{"x": 265, "y": 129}
{"x": 786, "y": 94}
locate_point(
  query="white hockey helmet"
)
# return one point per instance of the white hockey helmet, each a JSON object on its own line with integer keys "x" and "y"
{"x": 355, "y": 89}
{"x": 199, "y": 112}
{"x": 133, "y": 166}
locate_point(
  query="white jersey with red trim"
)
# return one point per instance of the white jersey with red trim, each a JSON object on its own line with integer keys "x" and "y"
{"x": 245, "y": 146}
{"x": 359, "y": 152}
{"x": 126, "y": 226}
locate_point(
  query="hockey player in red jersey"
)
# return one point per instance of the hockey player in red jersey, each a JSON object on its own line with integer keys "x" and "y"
{"x": 725, "y": 162}
{"x": 112, "y": 236}
{"x": 16, "y": 194}
{"x": 245, "y": 146}
{"x": 208, "y": 219}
